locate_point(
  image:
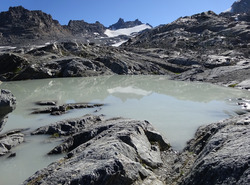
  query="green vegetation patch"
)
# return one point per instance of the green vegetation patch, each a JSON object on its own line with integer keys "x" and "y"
{"x": 232, "y": 85}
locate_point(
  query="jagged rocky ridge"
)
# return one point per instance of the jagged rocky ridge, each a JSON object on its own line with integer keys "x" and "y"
{"x": 19, "y": 26}
{"x": 215, "y": 47}
{"x": 203, "y": 47}
{"x": 122, "y": 24}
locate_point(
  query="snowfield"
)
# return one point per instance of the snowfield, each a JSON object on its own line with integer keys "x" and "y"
{"x": 126, "y": 31}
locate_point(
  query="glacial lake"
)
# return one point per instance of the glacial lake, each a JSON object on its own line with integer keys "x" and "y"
{"x": 176, "y": 109}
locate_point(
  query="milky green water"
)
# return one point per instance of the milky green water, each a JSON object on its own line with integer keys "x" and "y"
{"x": 176, "y": 109}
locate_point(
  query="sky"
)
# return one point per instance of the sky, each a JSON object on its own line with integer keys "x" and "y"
{"x": 107, "y": 12}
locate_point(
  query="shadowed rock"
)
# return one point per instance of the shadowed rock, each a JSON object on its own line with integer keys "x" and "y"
{"x": 7, "y": 105}
{"x": 62, "y": 109}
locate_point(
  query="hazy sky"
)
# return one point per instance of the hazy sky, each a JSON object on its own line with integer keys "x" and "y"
{"x": 107, "y": 12}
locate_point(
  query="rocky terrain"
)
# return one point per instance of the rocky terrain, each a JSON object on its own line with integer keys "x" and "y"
{"x": 222, "y": 153}
{"x": 122, "y": 24}
{"x": 214, "y": 48}
{"x": 125, "y": 151}
{"x": 7, "y": 105}
{"x": 19, "y": 27}
{"x": 11, "y": 138}
{"x": 203, "y": 47}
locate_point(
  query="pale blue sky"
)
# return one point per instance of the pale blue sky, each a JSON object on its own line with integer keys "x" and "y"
{"x": 107, "y": 12}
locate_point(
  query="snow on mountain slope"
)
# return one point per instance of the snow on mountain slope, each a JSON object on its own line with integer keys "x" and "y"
{"x": 126, "y": 31}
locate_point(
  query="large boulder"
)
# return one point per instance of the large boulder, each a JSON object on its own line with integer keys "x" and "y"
{"x": 7, "y": 105}
{"x": 11, "y": 64}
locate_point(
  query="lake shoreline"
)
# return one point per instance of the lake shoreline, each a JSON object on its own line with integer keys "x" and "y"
{"x": 168, "y": 166}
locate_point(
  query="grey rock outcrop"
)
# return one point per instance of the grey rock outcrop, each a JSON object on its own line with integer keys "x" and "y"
{"x": 62, "y": 109}
{"x": 13, "y": 138}
{"x": 204, "y": 47}
{"x": 122, "y": 24}
{"x": 114, "y": 151}
{"x": 18, "y": 25}
{"x": 12, "y": 64}
{"x": 222, "y": 153}
{"x": 70, "y": 59}
{"x": 82, "y": 28}
{"x": 9, "y": 140}
{"x": 68, "y": 127}
{"x": 125, "y": 151}
{"x": 7, "y": 105}
{"x": 240, "y": 6}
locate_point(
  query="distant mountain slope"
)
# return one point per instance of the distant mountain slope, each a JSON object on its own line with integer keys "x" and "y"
{"x": 241, "y": 6}
{"x": 84, "y": 28}
{"x": 198, "y": 32}
{"x": 20, "y": 24}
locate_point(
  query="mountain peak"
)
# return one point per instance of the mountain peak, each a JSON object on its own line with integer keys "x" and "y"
{"x": 82, "y": 27}
{"x": 18, "y": 24}
{"x": 120, "y": 20}
{"x": 17, "y": 9}
{"x": 122, "y": 24}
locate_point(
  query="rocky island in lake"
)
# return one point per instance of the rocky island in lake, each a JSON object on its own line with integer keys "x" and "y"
{"x": 100, "y": 149}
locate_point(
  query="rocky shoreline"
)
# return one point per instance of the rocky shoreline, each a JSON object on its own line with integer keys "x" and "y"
{"x": 204, "y": 47}
{"x": 78, "y": 60}
{"x": 125, "y": 151}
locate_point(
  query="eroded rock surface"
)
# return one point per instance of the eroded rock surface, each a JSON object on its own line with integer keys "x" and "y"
{"x": 9, "y": 140}
{"x": 7, "y": 105}
{"x": 222, "y": 153}
{"x": 114, "y": 151}
{"x": 125, "y": 151}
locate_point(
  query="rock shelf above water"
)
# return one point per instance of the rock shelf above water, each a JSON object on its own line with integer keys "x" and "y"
{"x": 126, "y": 151}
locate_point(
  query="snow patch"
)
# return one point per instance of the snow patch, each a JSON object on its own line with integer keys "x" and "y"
{"x": 126, "y": 31}
{"x": 119, "y": 43}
